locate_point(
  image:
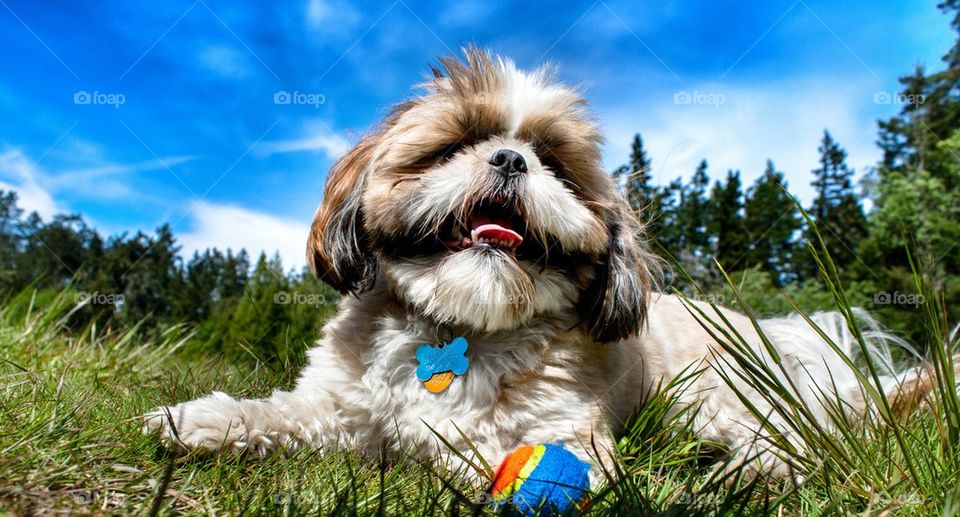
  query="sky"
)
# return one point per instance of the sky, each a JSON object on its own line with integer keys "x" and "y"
{"x": 222, "y": 118}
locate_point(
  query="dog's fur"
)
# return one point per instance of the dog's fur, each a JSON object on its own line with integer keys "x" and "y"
{"x": 566, "y": 334}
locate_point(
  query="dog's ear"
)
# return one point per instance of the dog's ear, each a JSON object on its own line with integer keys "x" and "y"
{"x": 338, "y": 251}
{"x": 614, "y": 305}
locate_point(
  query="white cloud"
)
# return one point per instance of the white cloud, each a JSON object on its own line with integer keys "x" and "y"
{"x": 318, "y": 13}
{"x": 18, "y": 173}
{"x": 225, "y": 61}
{"x": 230, "y": 226}
{"x": 316, "y": 136}
{"x": 781, "y": 121}
{"x": 331, "y": 17}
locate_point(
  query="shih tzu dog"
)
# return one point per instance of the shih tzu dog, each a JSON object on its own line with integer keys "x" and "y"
{"x": 499, "y": 287}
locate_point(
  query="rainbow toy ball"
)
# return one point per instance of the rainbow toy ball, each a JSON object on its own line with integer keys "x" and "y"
{"x": 546, "y": 479}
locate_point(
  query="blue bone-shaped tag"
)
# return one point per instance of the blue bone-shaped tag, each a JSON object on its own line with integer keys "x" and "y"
{"x": 442, "y": 358}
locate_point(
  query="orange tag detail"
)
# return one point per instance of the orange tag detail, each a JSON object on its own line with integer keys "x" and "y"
{"x": 438, "y": 381}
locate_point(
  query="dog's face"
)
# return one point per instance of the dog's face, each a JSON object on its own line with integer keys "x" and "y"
{"x": 484, "y": 203}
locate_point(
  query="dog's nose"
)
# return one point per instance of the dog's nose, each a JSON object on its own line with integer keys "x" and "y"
{"x": 508, "y": 162}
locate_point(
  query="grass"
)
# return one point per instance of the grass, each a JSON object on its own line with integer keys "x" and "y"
{"x": 70, "y": 441}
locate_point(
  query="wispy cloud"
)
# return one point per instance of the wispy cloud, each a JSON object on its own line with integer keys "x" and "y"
{"x": 315, "y": 137}
{"x": 225, "y": 61}
{"x": 20, "y": 174}
{"x": 43, "y": 190}
{"x": 109, "y": 180}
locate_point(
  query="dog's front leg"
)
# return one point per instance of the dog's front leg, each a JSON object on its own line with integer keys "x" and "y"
{"x": 256, "y": 426}
{"x": 311, "y": 415}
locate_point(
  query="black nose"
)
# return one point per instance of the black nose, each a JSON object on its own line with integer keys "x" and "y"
{"x": 509, "y": 163}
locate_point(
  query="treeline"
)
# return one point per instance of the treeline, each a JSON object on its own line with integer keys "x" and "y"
{"x": 759, "y": 235}
{"x": 237, "y": 307}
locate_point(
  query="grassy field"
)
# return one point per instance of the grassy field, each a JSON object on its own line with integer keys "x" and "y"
{"x": 70, "y": 441}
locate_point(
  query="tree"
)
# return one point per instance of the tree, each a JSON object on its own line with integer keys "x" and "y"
{"x": 836, "y": 208}
{"x": 257, "y": 327}
{"x": 924, "y": 208}
{"x": 693, "y": 213}
{"x": 668, "y": 231}
{"x": 726, "y": 222}
{"x": 772, "y": 223}
{"x": 10, "y": 215}
{"x": 930, "y": 112}
{"x": 634, "y": 178}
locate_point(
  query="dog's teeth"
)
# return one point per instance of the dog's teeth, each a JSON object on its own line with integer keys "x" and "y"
{"x": 509, "y": 243}
{"x": 473, "y": 235}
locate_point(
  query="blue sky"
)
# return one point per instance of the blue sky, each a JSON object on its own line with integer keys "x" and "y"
{"x": 182, "y": 124}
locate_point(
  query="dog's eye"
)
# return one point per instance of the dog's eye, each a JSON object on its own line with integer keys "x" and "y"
{"x": 551, "y": 161}
{"x": 450, "y": 151}
{"x": 441, "y": 154}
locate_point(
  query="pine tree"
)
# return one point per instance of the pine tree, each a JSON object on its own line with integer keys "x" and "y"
{"x": 693, "y": 213}
{"x": 257, "y": 327}
{"x": 772, "y": 223}
{"x": 669, "y": 231}
{"x": 929, "y": 114}
{"x": 10, "y": 215}
{"x": 836, "y": 208}
{"x": 635, "y": 178}
{"x": 726, "y": 222}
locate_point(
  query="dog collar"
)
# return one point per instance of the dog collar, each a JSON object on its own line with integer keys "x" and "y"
{"x": 437, "y": 364}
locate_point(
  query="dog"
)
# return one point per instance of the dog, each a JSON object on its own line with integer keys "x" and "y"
{"x": 478, "y": 213}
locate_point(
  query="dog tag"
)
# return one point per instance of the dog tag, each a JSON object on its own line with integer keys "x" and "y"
{"x": 437, "y": 364}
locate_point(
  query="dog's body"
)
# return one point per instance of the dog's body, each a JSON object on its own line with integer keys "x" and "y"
{"x": 539, "y": 384}
{"x": 481, "y": 210}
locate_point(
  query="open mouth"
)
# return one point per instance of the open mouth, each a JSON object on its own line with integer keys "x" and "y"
{"x": 494, "y": 225}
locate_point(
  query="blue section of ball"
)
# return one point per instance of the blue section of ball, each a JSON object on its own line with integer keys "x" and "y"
{"x": 556, "y": 486}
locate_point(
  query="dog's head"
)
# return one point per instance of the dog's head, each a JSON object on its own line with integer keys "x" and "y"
{"x": 483, "y": 203}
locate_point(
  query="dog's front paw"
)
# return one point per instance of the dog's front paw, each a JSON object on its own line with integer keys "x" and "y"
{"x": 211, "y": 423}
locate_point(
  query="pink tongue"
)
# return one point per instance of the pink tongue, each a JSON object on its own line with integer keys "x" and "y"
{"x": 497, "y": 229}
{"x": 497, "y": 232}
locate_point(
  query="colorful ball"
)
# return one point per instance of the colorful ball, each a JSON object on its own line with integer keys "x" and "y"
{"x": 546, "y": 478}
